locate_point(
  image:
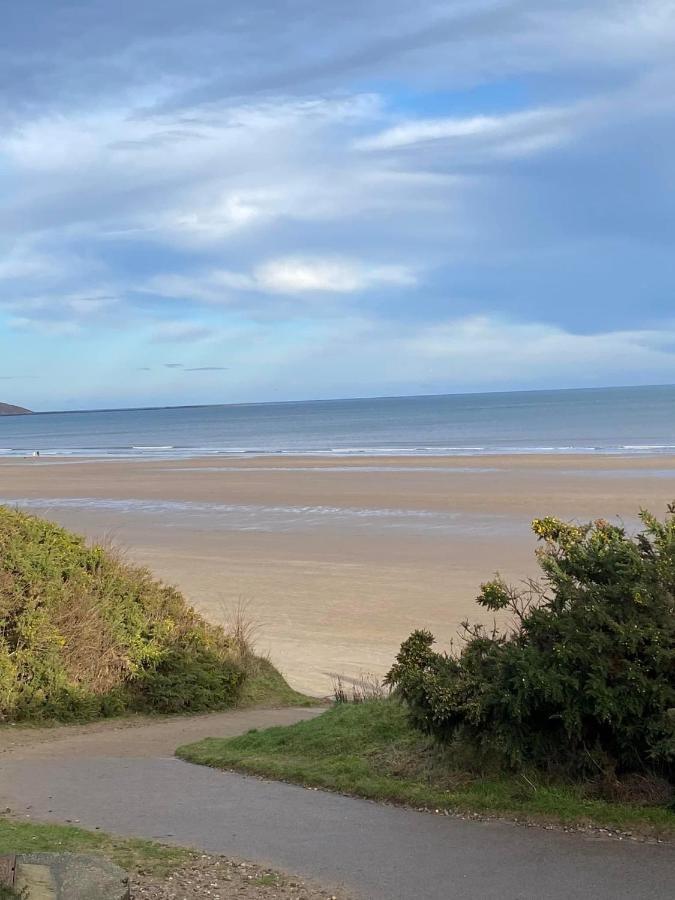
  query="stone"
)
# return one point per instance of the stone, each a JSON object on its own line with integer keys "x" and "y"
{"x": 69, "y": 876}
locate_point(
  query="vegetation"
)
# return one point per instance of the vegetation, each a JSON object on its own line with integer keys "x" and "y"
{"x": 265, "y": 686}
{"x": 132, "y": 854}
{"x": 370, "y": 749}
{"x": 584, "y": 679}
{"x": 84, "y": 634}
{"x": 155, "y": 870}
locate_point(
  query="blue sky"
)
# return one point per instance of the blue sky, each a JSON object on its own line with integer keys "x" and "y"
{"x": 208, "y": 202}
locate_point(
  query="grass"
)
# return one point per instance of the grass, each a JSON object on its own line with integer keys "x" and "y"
{"x": 8, "y": 893}
{"x": 132, "y": 854}
{"x": 265, "y": 686}
{"x": 369, "y": 750}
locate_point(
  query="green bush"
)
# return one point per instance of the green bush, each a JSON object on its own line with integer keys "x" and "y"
{"x": 583, "y": 677}
{"x": 8, "y": 893}
{"x": 189, "y": 682}
{"x": 83, "y": 634}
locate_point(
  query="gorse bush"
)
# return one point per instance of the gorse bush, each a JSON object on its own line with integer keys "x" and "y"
{"x": 188, "y": 681}
{"x": 82, "y": 634}
{"x": 8, "y": 893}
{"x": 583, "y": 677}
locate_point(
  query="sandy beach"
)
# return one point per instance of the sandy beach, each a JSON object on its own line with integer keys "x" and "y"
{"x": 337, "y": 559}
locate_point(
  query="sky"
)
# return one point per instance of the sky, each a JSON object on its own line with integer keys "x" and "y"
{"x": 213, "y": 202}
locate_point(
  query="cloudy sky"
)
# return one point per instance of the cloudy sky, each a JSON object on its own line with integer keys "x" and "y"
{"x": 284, "y": 199}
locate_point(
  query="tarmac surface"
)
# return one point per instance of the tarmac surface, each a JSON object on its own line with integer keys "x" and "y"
{"x": 124, "y": 780}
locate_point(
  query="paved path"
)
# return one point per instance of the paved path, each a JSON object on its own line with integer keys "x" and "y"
{"x": 128, "y": 784}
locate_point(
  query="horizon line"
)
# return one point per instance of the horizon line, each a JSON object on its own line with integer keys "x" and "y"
{"x": 45, "y": 412}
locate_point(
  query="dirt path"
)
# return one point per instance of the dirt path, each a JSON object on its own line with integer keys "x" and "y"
{"x": 140, "y": 736}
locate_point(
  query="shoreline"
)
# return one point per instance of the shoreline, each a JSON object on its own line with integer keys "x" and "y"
{"x": 471, "y": 455}
{"x": 327, "y": 457}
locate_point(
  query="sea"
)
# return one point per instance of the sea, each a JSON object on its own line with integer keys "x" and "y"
{"x": 622, "y": 421}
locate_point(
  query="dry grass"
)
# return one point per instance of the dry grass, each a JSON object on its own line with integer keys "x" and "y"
{"x": 358, "y": 690}
{"x": 636, "y": 789}
{"x": 243, "y": 630}
{"x": 91, "y": 655}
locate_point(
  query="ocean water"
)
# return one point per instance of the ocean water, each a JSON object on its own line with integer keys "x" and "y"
{"x": 620, "y": 421}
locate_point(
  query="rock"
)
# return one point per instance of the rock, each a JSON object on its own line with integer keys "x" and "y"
{"x": 69, "y": 876}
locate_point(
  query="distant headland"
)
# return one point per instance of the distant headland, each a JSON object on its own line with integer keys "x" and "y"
{"x": 7, "y": 409}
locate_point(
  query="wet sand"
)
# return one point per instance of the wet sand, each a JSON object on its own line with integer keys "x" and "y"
{"x": 338, "y": 559}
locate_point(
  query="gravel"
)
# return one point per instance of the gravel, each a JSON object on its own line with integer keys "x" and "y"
{"x": 215, "y": 878}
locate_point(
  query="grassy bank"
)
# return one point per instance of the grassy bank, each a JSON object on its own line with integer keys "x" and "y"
{"x": 369, "y": 750}
{"x": 84, "y": 635}
{"x": 265, "y": 686}
{"x": 157, "y": 871}
{"x": 132, "y": 854}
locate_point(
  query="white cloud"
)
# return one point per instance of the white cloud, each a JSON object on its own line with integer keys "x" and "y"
{"x": 298, "y": 275}
{"x": 291, "y": 276}
{"x": 494, "y": 349}
{"x": 215, "y": 169}
{"x": 518, "y": 134}
{"x": 362, "y": 356}
{"x": 417, "y": 130}
{"x": 208, "y": 220}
